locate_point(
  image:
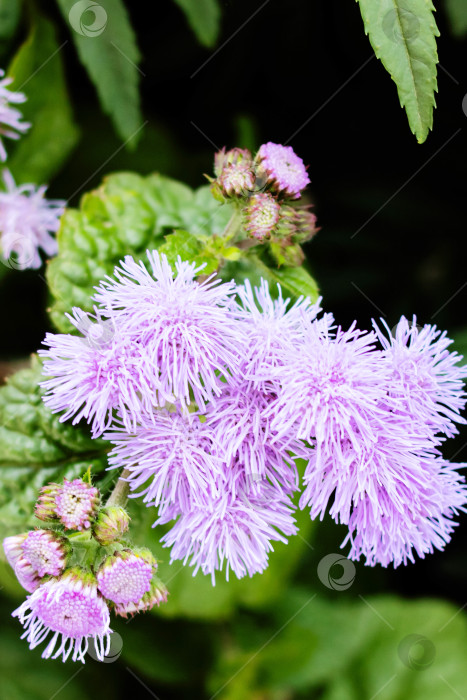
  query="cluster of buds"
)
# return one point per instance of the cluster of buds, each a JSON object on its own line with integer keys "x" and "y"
{"x": 78, "y": 568}
{"x": 264, "y": 187}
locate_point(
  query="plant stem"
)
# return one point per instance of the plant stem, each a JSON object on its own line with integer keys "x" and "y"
{"x": 119, "y": 495}
{"x": 234, "y": 225}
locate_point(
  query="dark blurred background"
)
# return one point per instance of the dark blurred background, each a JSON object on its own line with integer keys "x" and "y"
{"x": 392, "y": 212}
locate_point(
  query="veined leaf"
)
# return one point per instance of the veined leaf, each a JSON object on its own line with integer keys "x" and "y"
{"x": 106, "y": 45}
{"x": 403, "y": 35}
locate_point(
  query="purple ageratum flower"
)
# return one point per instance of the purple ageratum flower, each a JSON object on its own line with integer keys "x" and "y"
{"x": 233, "y": 529}
{"x": 124, "y": 578}
{"x": 283, "y": 168}
{"x": 76, "y": 504}
{"x": 45, "y": 552}
{"x": 13, "y": 548}
{"x": 27, "y": 220}
{"x": 72, "y": 611}
{"x": 331, "y": 388}
{"x": 413, "y": 516}
{"x": 175, "y": 453}
{"x": 188, "y": 328}
{"x": 26, "y": 575}
{"x": 427, "y": 381}
{"x": 244, "y": 436}
{"x": 96, "y": 375}
{"x": 10, "y": 118}
{"x": 272, "y": 327}
{"x": 156, "y": 595}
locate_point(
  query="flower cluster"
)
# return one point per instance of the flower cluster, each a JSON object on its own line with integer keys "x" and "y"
{"x": 27, "y": 218}
{"x": 76, "y": 569}
{"x": 210, "y": 393}
{"x": 264, "y": 187}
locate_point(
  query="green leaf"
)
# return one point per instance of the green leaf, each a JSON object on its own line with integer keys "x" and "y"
{"x": 127, "y": 215}
{"x": 37, "y": 70}
{"x": 403, "y": 35}
{"x": 295, "y": 281}
{"x": 106, "y": 46}
{"x": 204, "y": 18}
{"x": 10, "y": 11}
{"x": 456, "y": 11}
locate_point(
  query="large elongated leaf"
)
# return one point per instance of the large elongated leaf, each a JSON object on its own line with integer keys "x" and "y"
{"x": 403, "y": 35}
{"x": 37, "y": 70}
{"x": 106, "y": 45}
{"x": 204, "y": 18}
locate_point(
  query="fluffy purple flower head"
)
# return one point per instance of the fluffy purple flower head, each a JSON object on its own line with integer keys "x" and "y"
{"x": 272, "y": 327}
{"x": 124, "y": 578}
{"x": 261, "y": 215}
{"x": 27, "y": 220}
{"x": 331, "y": 386}
{"x": 412, "y": 515}
{"x": 188, "y": 328}
{"x": 175, "y": 452}
{"x": 45, "y": 552}
{"x": 10, "y": 118}
{"x": 426, "y": 378}
{"x": 97, "y": 374}
{"x": 72, "y": 611}
{"x": 233, "y": 529}
{"x": 244, "y": 437}
{"x": 76, "y": 504}
{"x": 283, "y": 168}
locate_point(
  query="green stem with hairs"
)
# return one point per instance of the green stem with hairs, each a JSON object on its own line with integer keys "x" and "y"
{"x": 119, "y": 495}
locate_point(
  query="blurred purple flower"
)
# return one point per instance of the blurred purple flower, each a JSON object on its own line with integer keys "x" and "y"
{"x": 10, "y": 118}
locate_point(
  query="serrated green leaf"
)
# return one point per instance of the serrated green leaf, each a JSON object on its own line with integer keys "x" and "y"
{"x": 204, "y": 18}
{"x": 456, "y": 11}
{"x": 127, "y": 215}
{"x": 37, "y": 70}
{"x": 106, "y": 45}
{"x": 403, "y": 35}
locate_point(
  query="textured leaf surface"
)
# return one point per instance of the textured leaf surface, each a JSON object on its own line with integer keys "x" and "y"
{"x": 106, "y": 45}
{"x": 403, "y": 35}
{"x": 204, "y": 19}
{"x": 37, "y": 70}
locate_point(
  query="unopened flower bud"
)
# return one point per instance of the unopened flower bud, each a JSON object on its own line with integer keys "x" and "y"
{"x": 155, "y": 596}
{"x": 124, "y": 578}
{"x": 111, "y": 524}
{"x": 46, "y": 552}
{"x": 12, "y": 546}
{"x": 235, "y": 173}
{"x": 45, "y": 506}
{"x": 76, "y": 504}
{"x": 26, "y": 575}
{"x": 261, "y": 216}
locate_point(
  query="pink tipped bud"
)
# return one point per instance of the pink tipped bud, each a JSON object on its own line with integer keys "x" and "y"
{"x": 26, "y": 575}
{"x": 235, "y": 173}
{"x": 45, "y": 506}
{"x": 76, "y": 504}
{"x": 155, "y": 596}
{"x": 124, "y": 578}
{"x": 284, "y": 170}
{"x": 46, "y": 552}
{"x": 261, "y": 216}
{"x": 111, "y": 524}
{"x": 12, "y": 546}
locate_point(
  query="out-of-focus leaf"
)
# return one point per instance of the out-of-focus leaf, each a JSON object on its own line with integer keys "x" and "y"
{"x": 37, "y": 70}
{"x": 204, "y": 19}
{"x": 10, "y": 11}
{"x": 106, "y": 45}
{"x": 403, "y": 36}
{"x": 381, "y": 646}
{"x": 456, "y": 11}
